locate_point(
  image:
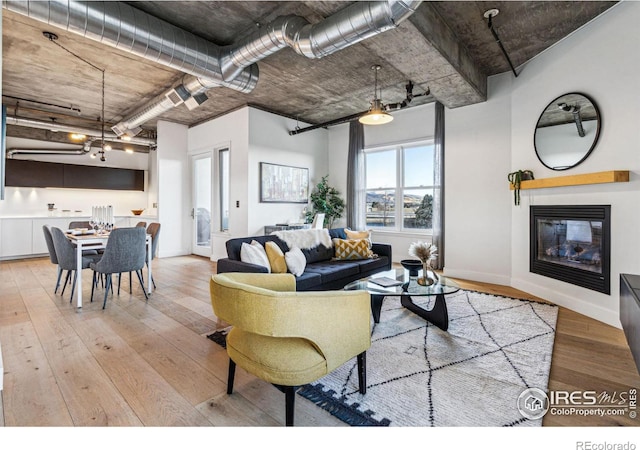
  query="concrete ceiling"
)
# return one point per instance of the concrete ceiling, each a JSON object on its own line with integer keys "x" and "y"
{"x": 444, "y": 46}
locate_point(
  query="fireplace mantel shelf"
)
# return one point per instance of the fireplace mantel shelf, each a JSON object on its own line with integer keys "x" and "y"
{"x": 610, "y": 176}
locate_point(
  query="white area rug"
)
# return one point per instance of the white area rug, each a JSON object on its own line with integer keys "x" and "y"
{"x": 470, "y": 375}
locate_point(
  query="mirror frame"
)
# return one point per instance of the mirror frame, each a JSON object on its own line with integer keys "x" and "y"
{"x": 593, "y": 144}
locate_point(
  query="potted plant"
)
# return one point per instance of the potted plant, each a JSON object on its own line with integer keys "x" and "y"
{"x": 325, "y": 199}
{"x": 515, "y": 178}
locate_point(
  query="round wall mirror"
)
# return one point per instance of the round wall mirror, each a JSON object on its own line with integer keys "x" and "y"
{"x": 567, "y": 131}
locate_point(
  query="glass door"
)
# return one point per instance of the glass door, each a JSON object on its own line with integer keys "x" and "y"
{"x": 202, "y": 205}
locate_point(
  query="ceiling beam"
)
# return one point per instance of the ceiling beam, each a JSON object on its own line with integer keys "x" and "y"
{"x": 426, "y": 50}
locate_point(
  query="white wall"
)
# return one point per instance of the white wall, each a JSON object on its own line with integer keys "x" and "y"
{"x": 174, "y": 191}
{"x": 477, "y": 199}
{"x": 233, "y": 130}
{"x": 412, "y": 124}
{"x": 596, "y": 60}
{"x": 255, "y": 136}
{"x": 487, "y": 141}
{"x": 270, "y": 142}
{"x": 21, "y": 201}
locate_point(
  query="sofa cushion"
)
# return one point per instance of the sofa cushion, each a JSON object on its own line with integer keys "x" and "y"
{"x": 373, "y": 264}
{"x": 337, "y": 233}
{"x": 319, "y": 253}
{"x": 254, "y": 253}
{"x": 352, "y": 249}
{"x": 334, "y": 270}
{"x": 308, "y": 280}
{"x": 276, "y": 257}
{"x": 234, "y": 245}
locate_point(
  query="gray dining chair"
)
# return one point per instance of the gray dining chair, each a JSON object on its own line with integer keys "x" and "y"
{"x": 125, "y": 252}
{"x": 52, "y": 254}
{"x": 66, "y": 255}
{"x": 154, "y": 230}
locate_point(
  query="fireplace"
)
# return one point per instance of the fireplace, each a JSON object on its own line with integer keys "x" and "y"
{"x": 572, "y": 244}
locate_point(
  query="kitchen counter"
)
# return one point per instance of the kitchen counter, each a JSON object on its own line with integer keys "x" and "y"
{"x": 21, "y": 236}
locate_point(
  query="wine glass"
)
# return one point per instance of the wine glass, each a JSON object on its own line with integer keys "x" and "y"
{"x": 93, "y": 223}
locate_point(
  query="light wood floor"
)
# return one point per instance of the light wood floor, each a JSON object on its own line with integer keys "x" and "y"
{"x": 143, "y": 363}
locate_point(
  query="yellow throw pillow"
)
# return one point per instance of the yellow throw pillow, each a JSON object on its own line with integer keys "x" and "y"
{"x": 350, "y": 249}
{"x": 357, "y": 234}
{"x": 366, "y": 234}
{"x": 276, "y": 257}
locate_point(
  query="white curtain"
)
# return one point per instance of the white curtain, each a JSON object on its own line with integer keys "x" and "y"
{"x": 356, "y": 197}
{"x": 438, "y": 186}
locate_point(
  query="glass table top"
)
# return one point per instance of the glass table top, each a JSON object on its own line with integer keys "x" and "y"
{"x": 442, "y": 285}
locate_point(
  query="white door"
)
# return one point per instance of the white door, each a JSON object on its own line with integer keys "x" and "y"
{"x": 202, "y": 211}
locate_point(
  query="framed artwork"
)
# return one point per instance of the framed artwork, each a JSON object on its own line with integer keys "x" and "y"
{"x": 283, "y": 184}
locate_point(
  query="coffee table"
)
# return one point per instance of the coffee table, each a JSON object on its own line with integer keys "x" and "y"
{"x": 438, "y": 315}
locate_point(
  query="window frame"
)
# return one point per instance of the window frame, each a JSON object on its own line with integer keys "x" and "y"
{"x": 399, "y": 188}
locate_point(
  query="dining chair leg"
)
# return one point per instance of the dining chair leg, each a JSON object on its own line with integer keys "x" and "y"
{"x": 130, "y": 284}
{"x": 94, "y": 281}
{"x": 106, "y": 291}
{"x": 58, "y": 280}
{"x": 119, "y": 277}
{"x": 144, "y": 291}
{"x": 152, "y": 280}
{"x": 66, "y": 280}
{"x": 73, "y": 286}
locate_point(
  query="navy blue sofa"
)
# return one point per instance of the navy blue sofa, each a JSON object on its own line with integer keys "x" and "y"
{"x": 322, "y": 272}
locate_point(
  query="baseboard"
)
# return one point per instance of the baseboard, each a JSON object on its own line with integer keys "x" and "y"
{"x": 575, "y": 304}
{"x": 472, "y": 275}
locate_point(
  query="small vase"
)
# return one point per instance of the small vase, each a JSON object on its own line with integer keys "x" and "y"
{"x": 425, "y": 280}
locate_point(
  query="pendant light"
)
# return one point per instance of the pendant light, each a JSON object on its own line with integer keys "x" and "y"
{"x": 376, "y": 115}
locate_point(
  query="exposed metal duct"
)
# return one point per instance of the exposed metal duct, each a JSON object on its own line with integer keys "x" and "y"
{"x": 128, "y": 29}
{"x": 121, "y": 26}
{"x": 353, "y": 24}
{"x": 359, "y": 21}
{"x": 54, "y": 126}
{"x": 45, "y": 151}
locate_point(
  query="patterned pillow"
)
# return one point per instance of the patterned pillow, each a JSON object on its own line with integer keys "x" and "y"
{"x": 276, "y": 257}
{"x": 350, "y": 249}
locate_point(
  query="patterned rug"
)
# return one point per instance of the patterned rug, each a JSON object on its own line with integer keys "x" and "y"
{"x": 470, "y": 375}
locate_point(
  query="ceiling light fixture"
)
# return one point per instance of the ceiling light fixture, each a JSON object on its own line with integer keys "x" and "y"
{"x": 77, "y": 136}
{"x": 376, "y": 114}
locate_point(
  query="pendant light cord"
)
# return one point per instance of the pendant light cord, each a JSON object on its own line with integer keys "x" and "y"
{"x": 52, "y": 38}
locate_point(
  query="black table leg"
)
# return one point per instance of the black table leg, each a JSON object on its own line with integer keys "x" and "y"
{"x": 438, "y": 315}
{"x": 376, "y": 306}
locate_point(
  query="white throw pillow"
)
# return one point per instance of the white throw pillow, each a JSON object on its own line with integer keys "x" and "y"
{"x": 296, "y": 262}
{"x": 254, "y": 254}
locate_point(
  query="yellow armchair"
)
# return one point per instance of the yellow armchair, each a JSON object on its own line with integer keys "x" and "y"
{"x": 290, "y": 338}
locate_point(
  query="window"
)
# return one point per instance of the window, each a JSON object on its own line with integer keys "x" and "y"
{"x": 399, "y": 185}
{"x": 223, "y": 165}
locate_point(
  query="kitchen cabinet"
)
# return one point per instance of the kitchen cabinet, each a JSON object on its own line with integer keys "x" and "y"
{"x": 16, "y": 237}
{"x": 39, "y": 246}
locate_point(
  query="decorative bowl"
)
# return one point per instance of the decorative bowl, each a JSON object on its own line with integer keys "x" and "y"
{"x": 137, "y": 212}
{"x": 412, "y": 265}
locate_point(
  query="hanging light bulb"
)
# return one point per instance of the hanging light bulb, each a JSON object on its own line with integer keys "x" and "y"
{"x": 93, "y": 156}
{"x": 376, "y": 115}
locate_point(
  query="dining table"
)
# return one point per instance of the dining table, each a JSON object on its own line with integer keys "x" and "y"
{"x": 95, "y": 241}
